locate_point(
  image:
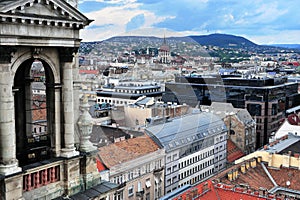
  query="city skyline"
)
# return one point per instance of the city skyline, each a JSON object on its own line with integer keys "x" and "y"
{"x": 262, "y": 22}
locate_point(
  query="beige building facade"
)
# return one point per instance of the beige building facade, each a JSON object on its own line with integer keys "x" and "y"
{"x": 136, "y": 164}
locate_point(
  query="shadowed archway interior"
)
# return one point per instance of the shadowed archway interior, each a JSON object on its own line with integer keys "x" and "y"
{"x": 34, "y": 111}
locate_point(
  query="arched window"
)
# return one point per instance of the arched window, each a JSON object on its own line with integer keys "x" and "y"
{"x": 34, "y": 111}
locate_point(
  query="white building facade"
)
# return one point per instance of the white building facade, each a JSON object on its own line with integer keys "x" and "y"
{"x": 128, "y": 92}
{"x": 195, "y": 148}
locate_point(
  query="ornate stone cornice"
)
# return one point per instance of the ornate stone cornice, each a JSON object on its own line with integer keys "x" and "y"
{"x": 66, "y": 54}
{"x": 6, "y": 53}
{"x": 42, "y": 21}
{"x": 65, "y": 14}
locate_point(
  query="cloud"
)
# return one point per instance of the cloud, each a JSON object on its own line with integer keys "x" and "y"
{"x": 135, "y": 22}
{"x": 249, "y": 18}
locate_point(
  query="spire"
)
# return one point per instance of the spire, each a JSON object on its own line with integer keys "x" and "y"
{"x": 165, "y": 41}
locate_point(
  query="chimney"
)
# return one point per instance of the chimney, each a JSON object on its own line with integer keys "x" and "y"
{"x": 230, "y": 175}
{"x": 247, "y": 164}
{"x": 243, "y": 168}
{"x": 259, "y": 158}
{"x": 253, "y": 163}
{"x": 235, "y": 174}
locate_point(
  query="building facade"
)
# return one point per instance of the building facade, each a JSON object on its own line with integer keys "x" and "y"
{"x": 136, "y": 164}
{"x": 145, "y": 109}
{"x": 128, "y": 92}
{"x": 241, "y": 126}
{"x": 195, "y": 148}
{"x": 266, "y": 99}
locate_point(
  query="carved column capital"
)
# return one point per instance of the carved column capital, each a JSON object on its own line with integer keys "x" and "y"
{"x": 66, "y": 54}
{"x": 6, "y": 53}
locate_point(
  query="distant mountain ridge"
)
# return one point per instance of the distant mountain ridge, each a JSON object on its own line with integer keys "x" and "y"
{"x": 223, "y": 40}
{"x": 219, "y": 40}
{"x": 290, "y": 46}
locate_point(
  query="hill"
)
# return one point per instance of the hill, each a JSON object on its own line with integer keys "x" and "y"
{"x": 290, "y": 46}
{"x": 224, "y": 41}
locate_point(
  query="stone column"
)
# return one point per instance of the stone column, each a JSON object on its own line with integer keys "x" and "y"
{"x": 57, "y": 115}
{"x": 8, "y": 161}
{"x": 66, "y": 58}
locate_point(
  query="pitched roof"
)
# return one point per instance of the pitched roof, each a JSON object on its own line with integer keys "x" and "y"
{"x": 285, "y": 176}
{"x": 233, "y": 152}
{"x": 126, "y": 150}
{"x": 186, "y": 129}
{"x": 213, "y": 191}
{"x": 255, "y": 177}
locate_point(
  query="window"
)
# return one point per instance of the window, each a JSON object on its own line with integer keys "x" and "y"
{"x": 130, "y": 191}
{"x": 118, "y": 195}
{"x": 148, "y": 183}
{"x": 148, "y": 196}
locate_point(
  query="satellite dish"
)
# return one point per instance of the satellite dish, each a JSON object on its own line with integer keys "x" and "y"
{"x": 288, "y": 183}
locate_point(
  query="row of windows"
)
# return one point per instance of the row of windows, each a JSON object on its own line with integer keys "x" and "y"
{"x": 195, "y": 169}
{"x": 39, "y": 129}
{"x": 196, "y": 159}
{"x": 118, "y": 102}
{"x": 137, "y": 172}
{"x": 194, "y": 180}
{"x": 137, "y": 91}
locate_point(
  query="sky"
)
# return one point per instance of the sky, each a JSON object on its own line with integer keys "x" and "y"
{"x": 260, "y": 21}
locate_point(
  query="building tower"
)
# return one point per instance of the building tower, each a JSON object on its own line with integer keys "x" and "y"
{"x": 164, "y": 52}
{"x": 47, "y": 32}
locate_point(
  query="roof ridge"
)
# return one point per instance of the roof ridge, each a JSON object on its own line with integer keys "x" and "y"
{"x": 268, "y": 174}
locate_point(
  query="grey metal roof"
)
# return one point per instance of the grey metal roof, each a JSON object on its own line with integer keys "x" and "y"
{"x": 283, "y": 144}
{"x": 186, "y": 129}
{"x": 103, "y": 188}
{"x": 143, "y": 101}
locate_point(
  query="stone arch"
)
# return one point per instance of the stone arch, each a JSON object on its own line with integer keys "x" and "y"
{"x": 28, "y": 55}
{"x": 29, "y": 148}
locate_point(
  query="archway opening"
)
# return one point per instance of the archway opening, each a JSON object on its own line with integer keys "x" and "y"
{"x": 34, "y": 111}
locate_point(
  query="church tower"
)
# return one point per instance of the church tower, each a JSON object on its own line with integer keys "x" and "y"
{"x": 164, "y": 52}
{"x": 39, "y": 44}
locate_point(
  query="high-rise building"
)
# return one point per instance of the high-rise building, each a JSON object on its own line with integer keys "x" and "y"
{"x": 266, "y": 99}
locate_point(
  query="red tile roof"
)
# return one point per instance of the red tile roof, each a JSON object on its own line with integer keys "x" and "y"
{"x": 39, "y": 108}
{"x": 233, "y": 152}
{"x": 83, "y": 71}
{"x": 212, "y": 191}
{"x": 126, "y": 150}
{"x": 100, "y": 166}
{"x": 255, "y": 178}
{"x": 284, "y": 175}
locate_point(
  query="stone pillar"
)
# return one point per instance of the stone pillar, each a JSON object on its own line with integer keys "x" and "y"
{"x": 66, "y": 58}
{"x": 57, "y": 115}
{"x": 85, "y": 125}
{"x": 8, "y": 161}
